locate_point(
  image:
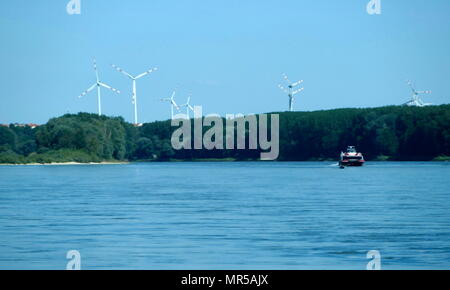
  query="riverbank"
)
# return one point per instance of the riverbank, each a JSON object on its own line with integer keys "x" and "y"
{"x": 228, "y": 160}
{"x": 65, "y": 163}
{"x": 386, "y": 134}
{"x": 442, "y": 158}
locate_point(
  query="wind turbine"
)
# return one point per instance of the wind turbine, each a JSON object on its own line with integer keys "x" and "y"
{"x": 188, "y": 106}
{"x": 173, "y": 104}
{"x": 415, "y": 100}
{"x": 98, "y": 84}
{"x": 291, "y": 90}
{"x": 134, "y": 79}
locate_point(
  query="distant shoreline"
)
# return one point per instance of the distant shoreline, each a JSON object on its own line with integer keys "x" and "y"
{"x": 390, "y": 133}
{"x": 64, "y": 163}
{"x": 192, "y": 161}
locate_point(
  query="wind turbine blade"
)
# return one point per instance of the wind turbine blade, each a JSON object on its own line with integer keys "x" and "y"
{"x": 287, "y": 79}
{"x": 174, "y": 103}
{"x": 146, "y": 73}
{"x": 424, "y": 92}
{"x": 170, "y": 99}
{"x": 420, "y": 102}
{"x": 297, "y": 83}
{"x": 87, "y": 91}
{"x": 411, "y": 85}
{"x": 283, "y": 89}
{"x": 298, "y": 91}
{"x": 122, "y": 71}
{"x": 96, "y": 70}
{"x": 109, "y": 88}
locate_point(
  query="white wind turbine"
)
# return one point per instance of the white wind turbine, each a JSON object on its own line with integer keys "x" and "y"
{"x": 415, "y": 100}
{"x": 134, "y": 79}
{"x": 173, "y": 104}
{"x": 188, "y": 107}
{"x": 291, "y": 91}
{"x": 98, "y": 84}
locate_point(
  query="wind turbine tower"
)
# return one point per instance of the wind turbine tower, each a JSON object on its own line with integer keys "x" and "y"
{"x": 291, "y": 90}
{"x": 188, "y": 107}
{"x": 134, "y": 79}
{"x": 416, "y": 101}
{"x": 173, "y": 104}
{"x": 98, "y": 84}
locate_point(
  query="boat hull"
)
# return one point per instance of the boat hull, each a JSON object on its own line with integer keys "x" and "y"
{"x": 351, "y": 158}
{"x": 351, "y": 163}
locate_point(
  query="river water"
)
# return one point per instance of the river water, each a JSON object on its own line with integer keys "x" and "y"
{"x": 254, "y": 215}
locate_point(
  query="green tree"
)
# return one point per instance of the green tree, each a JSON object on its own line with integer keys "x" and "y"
{"x": 144, "y": 148}
{"x": 7, "y": 139}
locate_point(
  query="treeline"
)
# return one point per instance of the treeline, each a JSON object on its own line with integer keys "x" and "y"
{"x": 394, "y": 133}
{"x": 387, "y": 133}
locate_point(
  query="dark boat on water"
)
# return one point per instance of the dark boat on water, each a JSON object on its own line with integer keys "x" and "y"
{"x": 351, "y": 158}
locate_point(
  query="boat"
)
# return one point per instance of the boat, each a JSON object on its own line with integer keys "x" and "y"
{"x": 351, "y": 157}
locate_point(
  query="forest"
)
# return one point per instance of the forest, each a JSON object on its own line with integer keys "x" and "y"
{"x": 394, "y": 133}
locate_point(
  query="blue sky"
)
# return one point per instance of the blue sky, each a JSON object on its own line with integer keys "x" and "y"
{"x": 229, "y": 54}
